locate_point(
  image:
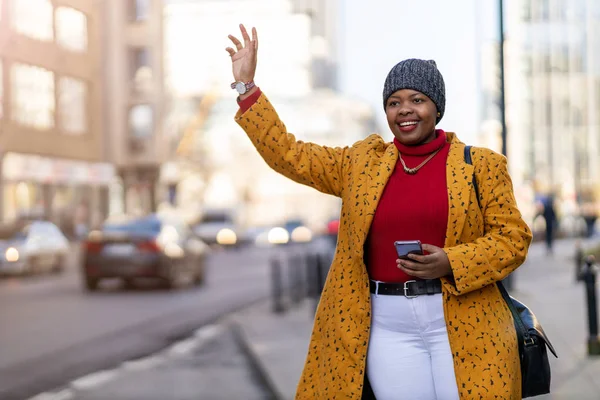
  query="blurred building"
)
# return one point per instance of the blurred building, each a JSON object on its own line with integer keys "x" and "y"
{"x": 241, "y": 179}
{"x": 51, "y": 120}
{"x": 324, "y": 18}
{"x": 132, "y": 67}
{"x": 297, "y": 70}
{"x": 553, "y": 97}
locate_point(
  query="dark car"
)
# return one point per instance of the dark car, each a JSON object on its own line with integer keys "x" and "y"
{"x": 148, "y": 247}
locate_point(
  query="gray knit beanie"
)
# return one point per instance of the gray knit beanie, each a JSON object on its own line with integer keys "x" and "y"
{"x": 420, "y": 75}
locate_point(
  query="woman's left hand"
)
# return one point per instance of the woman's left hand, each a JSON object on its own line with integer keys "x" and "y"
{"x": 430, "y": 266}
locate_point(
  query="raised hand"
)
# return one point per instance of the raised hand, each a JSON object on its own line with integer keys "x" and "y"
{"x": 243, "y": 60}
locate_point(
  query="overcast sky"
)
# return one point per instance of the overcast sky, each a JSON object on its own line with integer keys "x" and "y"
{"x": 377, "y": 34}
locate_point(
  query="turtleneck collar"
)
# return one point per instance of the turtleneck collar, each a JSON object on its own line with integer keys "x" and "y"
{"x": 423, "y": 149}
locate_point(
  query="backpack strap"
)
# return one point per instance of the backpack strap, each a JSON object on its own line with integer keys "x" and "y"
{"x": 469, "y": 161}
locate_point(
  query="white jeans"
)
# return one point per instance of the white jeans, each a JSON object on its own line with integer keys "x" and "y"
{"x": 409, "y": 355}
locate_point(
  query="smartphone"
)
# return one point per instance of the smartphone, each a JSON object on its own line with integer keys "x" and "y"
{"x": 404, "y": 248}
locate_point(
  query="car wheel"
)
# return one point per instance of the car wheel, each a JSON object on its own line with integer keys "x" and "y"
{"x": 128, "y": 283}
{"x": 91, "y": 284}
{"x": 59, "y": 265}
{"x": 173, "y": 279}
{"x": 32, "y": 266}
{"x": 180, "y": 275}
{"x": 199, "y": 276}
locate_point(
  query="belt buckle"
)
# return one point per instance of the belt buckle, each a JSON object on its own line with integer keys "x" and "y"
{"x": 406, "y": 290}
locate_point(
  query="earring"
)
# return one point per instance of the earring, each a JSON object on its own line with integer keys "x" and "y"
{"x": 439, "y": 114}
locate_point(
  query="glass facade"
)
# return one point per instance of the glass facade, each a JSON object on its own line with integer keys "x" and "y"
{"x": 557, "y": 51}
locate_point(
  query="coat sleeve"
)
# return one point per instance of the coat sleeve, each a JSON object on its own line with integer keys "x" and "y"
{"x": 320, "y": 167}
{"x": 506, "y": 237}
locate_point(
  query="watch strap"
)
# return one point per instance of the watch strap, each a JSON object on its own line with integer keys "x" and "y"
{"x": 249, "y": 85}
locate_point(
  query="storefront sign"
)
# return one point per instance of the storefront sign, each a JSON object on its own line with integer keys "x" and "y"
{"x": 27, "y": 167}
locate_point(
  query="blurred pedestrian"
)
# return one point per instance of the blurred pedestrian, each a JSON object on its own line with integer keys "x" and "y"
{"x": 549, "y": 214}
{"x": 431, "y": 326}
{"x": 590, "y": 215}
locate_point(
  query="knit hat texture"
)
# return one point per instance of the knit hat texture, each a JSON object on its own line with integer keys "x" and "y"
{"x": 420, "y": 75}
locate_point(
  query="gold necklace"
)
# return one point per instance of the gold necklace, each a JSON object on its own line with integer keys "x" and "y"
{"x": 412, "y": 171}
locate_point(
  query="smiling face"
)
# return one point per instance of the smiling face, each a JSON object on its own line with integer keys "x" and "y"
{"x": 411, "y": 116}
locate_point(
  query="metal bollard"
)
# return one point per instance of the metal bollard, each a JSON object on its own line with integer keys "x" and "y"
{"x": 277, "y": 285}
{"x": 309, "y": 274}
{"x": 589, "y": 274}
{"x": 578, "y": 261}
{"x": 320, "y": 281}
{"x": 295, "y": 274}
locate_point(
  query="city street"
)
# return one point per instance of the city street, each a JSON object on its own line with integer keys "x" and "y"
{"x": 53, "y": 331}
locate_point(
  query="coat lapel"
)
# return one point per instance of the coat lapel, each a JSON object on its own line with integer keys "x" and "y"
{"x": 377, "y": 177}
{"x": 459, "y": 176}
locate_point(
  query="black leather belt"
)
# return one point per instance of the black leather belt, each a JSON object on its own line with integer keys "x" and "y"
{"x": 408, "y": 289}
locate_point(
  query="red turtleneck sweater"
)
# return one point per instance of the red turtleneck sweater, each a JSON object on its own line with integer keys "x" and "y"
{"x": 412, "y": 207}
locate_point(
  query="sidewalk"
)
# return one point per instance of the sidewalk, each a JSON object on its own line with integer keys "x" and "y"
{"x": 279, "y": 342}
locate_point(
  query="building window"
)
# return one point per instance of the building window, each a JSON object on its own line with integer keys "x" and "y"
{"x": 139, "y": 10}
{"x": 32, "y": 94}
{"x": 140, "y": 70}
{"x": 141, "y": 121}
{"x": 33, "y": 18}
{"x": 71, "y": 29}
{"x": 72, "y": 103}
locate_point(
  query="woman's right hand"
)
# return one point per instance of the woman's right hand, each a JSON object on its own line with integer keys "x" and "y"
{"x": 243, "y": 60}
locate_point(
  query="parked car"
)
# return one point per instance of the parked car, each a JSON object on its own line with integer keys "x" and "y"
{"x": 158, "y": 247}
{"x": 30, "y": 247}
{"x": 217, "y": 227}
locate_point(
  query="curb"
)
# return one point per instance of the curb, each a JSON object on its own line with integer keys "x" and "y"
{"x": 255, "y": 360}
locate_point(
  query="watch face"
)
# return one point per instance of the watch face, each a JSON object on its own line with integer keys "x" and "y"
{"x": 240, "y": 87}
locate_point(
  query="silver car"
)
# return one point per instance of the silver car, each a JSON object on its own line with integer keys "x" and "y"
{"x": 32, "y": 247}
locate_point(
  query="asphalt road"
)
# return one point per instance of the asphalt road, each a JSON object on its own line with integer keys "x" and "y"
{"x": 211, "y": 365}
{"x": 52, "y": 331}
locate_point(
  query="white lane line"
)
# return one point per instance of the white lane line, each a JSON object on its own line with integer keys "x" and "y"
{"x": 183, "y": 347}
{"x": 66, "y": 394}
{"x": 208, "y": 332}
{"x": 190, "y": 344}
{"x": 94, "y": 380}
{"x": 143, "y": 363}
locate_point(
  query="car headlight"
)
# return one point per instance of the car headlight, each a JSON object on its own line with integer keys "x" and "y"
{"x": 226, "y": 237}
{"x": 173, "y": 250}
{"x": 11, "y": 254}
{"x": 301, "y": 234}
{"x": 278, "y": 236}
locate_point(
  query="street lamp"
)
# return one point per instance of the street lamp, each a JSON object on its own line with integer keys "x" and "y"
{"x": 501, "y": 62}
{"x": 508, "y": 281}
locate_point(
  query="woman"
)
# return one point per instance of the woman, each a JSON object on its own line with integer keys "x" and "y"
{"x": 433, "y": 326}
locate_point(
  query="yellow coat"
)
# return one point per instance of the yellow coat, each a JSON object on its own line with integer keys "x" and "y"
{"x": 482, "y": 249}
